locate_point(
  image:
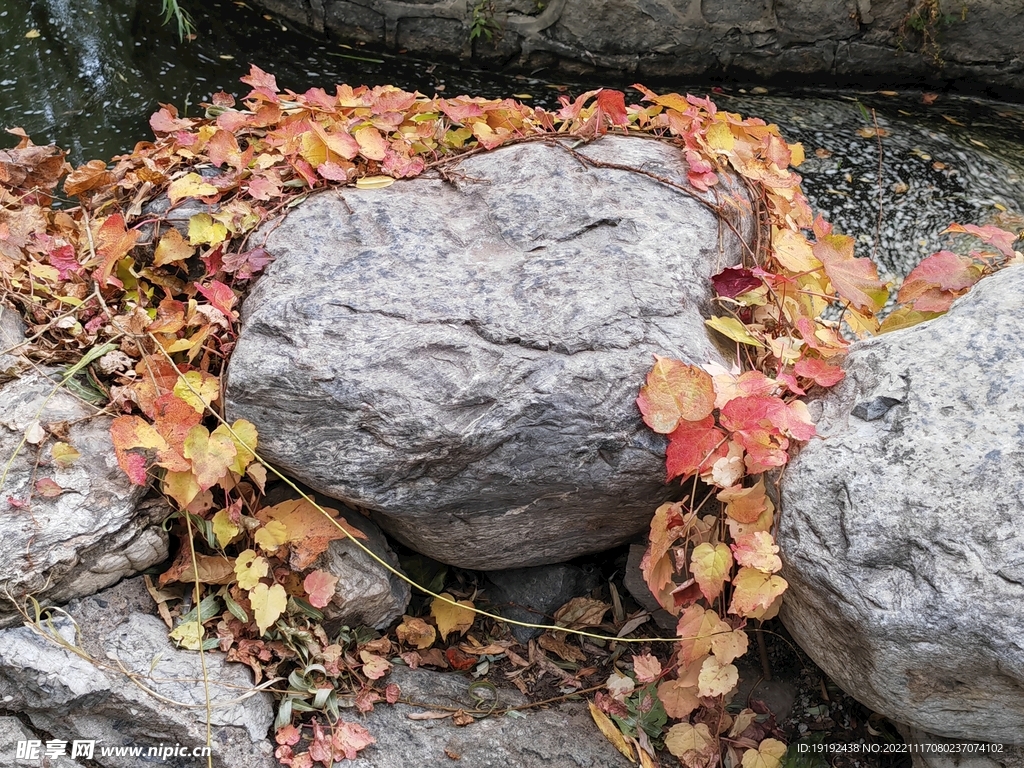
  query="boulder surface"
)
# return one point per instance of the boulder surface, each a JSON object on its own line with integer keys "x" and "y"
{"x": 901, "y": 523}
{"x": 461, "y": 355}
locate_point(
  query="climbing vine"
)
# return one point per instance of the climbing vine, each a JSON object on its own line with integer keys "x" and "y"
{"x": 158, "y": 290}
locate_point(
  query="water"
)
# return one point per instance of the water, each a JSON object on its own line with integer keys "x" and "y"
{"x": 98, "y": 68}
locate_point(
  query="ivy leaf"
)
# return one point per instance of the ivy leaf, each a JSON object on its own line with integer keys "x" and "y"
{"x": 744, "y": 505}
{"x": 757, "y": 550}
{"x": 735, "y": 281}
{"x": 172, "y": 249}
{"x": 694, "y": 447}
{"x": 768, "y": 754}
{"x": 692, "y": 744}
{"x": 416, "y": 632}
{"x": 823, "y": 374}
{"x": 211, "y": 455}
{"x": 348, "y": 738}
{"x": 268, "y": 603}
{"x": 320, "y": 587}
{"x": 198, "y": 389}
{"x": 224, "y": 529}
{"x": 695, "y": 629}
{"x": 734, "y": 329}
{"x": 678, "y": 699}
{"x": 937, "y": 281}
{"x": 48, "y": 488}
{"x": 728, "y": 646}
{"x": 309, "y": 531}
{"x": 716, "y": 679}
{"x": 250, "y": 568}
{"x": 136, "y": 445}
{"x": 113, "y": 241}
{"x": 188, "y": 635}
{"x": 646, "y": 667}
{"x": 180, "y": 486}
{"x": 754, "y": 589}
{"x": 995, "y": 236}
{"x": 190, "y": 185}
{"x": 220, "y": 296}
{"x": 710, "y": 565}
{"x": 673, "y": 392}
{"x": 204, "y": 230}
{"x": 271, "y": 536}
{"x": 856, "y": 280}
{"x": 451, "y": 618}
{"x": 372, "y": 145}
{"x": 64, "y": 455}
{"x": 374, "y": 666}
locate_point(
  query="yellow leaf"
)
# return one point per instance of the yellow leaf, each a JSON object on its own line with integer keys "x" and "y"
{"x": 211, "y": 455}
{"x": 189, "y": 185}
{"x": 310, "y": 531}
{"x": 729, "y": 646}
{"x": 710, "y": 565}
{"x": 243, "y": 435}
{"x": 63, "y": 454}
{"x": 271, "y": 536}
{"x": 258, "y": 474}
{"x": 203, "y": 229}
{"x": 678, "y": 699}
{"x": 374, "y": 182}
{"x": 198, "y": 389}
{"x": 416, "y": 632}
{"x": 611, "y": 731}
{"x": 451, "y": 618}
{"x": 224, "y": 529}
{"x": 188, "y": 635}
{"x": 172, "y": 248}
{"x": 716, "y": 679}
{"x": 181, "y": 486}
{"x": 267, "y": 604}
{"x": 690, "y": 743}
{"x": 754, "y": 589}
{"x": 372, "y": 145}
{"x": 32, "y": 34}
{"x": 250, "y": 568}
{"x": 769, "y": 754}
{"x": 734, "y": 329}
{"x": 793, "y": 251}
{"x": 719, "y": 137}
{"x": 797, "y": 154}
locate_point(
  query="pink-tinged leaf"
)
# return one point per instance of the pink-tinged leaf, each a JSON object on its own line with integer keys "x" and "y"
{"x": 289, "y": 734}
{"x": 264, "y": 187}
{"x": 999, "y": 238}
{"x": 757, "y": 550}
{"x": 374, "y": 666}
{"x": 136, "y": 444}
{"x": 63, "y": 259}
{"x": 675, "y": 392}
{"x": 647, "y": 668}
{"x": 48, "y": 489}
{"x": 331, "y": 171}
{"x": 244, "y": 265}
{"x": 264, "y": 85}
{"x": 694, "y": 447}
{"x": 754, "y": 590}
{"x": 349, "y": 738}
{"x": 855, "y": 280}
{"x": 734, "y": 281}
{"x": 372, "y": 145}
{"x": 165, "y": 120}
{"x": 613, "y": 105}
{"x": 460, "y": 111}
{"x": 220, "y": 296}
{"x": 936, "y": 282}
{"x": 320, "y": 586}
{"x": 823, "y": 374}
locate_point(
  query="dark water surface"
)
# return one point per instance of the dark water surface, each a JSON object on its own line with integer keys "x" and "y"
{"x": 86, "y": 75}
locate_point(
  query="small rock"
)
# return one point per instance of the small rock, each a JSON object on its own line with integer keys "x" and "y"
{"x": 633, "y": 581}
{"x": 12, "y": 334}
{"x": 85, "y": 529}
{"x": 532, "y": 595}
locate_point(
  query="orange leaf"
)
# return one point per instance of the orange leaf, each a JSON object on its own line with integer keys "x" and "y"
{"x": 309, "y": 530}
{"x": 744, "y": 505}
{"x": 856, "y": 280}
{"x": 136, "y": 445}
{"x": 678, "y": 699}
{"x": 319, "y": 586}
{"x": 112, "y": 241}
{"x": 754, "y": 589}
{"x": 675, "y": 391}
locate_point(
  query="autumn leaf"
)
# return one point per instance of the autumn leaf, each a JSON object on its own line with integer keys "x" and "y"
{"x": 348, "y": 738}
{"x": 112, "y": 242}
{"x": 416, "y": 632}
{"x": 757, "y": 550}
{"x": 86, "y": 178}
{"x": 451, "y": 618}
{"x": 271, "y": 536}
{"x": 320, "y": 586}
{"x": 678, "y": 699}
{"x": 136, "y": 445}
{"x": 250, "y": 568}
{"x": 744, "y": 504}
{"x": 309, "y": 531}
{"x": 728, "y": 646}
{"x": 716, "y": 679}
{"x": 793, "y": 251}
{"x": 995, "y": 236}
{"x": 48, "y": 488}
{"x": 374, "y": 667}
{"x": 64, "y": 455}
{"x": 856, "y": 280}
{"x": 673, "y": 392}
{"x": 198, "y": 389}
{"x": 211, "y": 455}
{"x": 694, "y": 447}
{"x": 692, "y": 744}
{"x": 204, "y": 230}
{"x": 735, "y": 330}
{"x": 710, "y": 565}
{"x": 754, "y": 589}
{"x": 172, "y": 249}
{"x": 268, "y": 603}
{"x": 372, "y": 145}
{"x": 188, "y": 635}
{"x": 647, "y": 668}
{"x": 224, "y": 529}
{"x": 735, "y": 281}
{"x": 610, "y": 731}
{"x": 823, "y": 374}
{"x": 190, "y": 185}
{"x": 220, "y": 296}
{"x": 695, "y": 629}
{"x": 180, "y": 486}
{"x": 768, "y": 754}
{"x": 581, "y": 612}
{"x": 938, "y": 280}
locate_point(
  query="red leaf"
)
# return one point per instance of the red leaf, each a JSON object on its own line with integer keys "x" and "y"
{"x": 855, "y": 280}
{"x": 694, "y": 447}
{"x": 613, "y": 105}
{"x": 220, "y": 296}
{"x": 733, "y": 281}
{"x": 264, "y": 85}
{"x": 823, "y": 374}
{"x": 1000, "y": 238}
{"x": 459, "y": 660}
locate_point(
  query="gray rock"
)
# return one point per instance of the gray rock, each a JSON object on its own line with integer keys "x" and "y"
{"x": 538, "y": 740}
{"x": 21, "y": 748}
{"x": 12, "y": 334}
{"x": 94, "y": 532}
{"x": 936, "y": 752}
{"x": 462, "y": 357}
{"x": 367, "y": 593}
{"x": 633, "y": 581}
{"x": 820, "y": 40}
{"x": 137, "y": 690}
{"x": 900, "y": 530}
{"x": 532, "y": 595}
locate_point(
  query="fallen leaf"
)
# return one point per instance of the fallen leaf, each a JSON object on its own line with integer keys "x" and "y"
{"x": 451, "y": 618}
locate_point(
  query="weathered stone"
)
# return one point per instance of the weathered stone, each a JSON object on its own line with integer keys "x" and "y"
{"x": 90, "y": 535}
{"x": 462, "y": 356}
{"x": 532, "y": 595}
{"x": 367, "y": 593}
{"x": 33, "y": 749}
{"x": 70, "y": 697}
{"x": 929, "y": 751}
{"x": 538, "y": 740}
{"x": 12, "y": 334}
{"x": 900, "y": 524}
{"x": 633, "y": 581}
{"x": 975, "y": 43}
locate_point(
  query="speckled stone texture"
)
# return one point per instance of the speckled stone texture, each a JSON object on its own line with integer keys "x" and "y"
{"x": 901, "y": 524}
{"x": 462, "y": 357}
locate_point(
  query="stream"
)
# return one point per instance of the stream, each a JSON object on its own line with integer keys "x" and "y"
{"x": 86, "y": 75}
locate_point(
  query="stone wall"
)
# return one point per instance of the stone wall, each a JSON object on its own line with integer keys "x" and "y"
{"x": 884, "y": 42}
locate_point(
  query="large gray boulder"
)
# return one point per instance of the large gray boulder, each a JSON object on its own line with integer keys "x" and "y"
{"x": 68, "y": 529}
{"x": 105, "y": 671}
{"x": 901, "y": 524}
{"x": 461, "y": 355}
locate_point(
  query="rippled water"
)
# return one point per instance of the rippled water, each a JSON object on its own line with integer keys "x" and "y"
{"x": 86, "y": 74}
